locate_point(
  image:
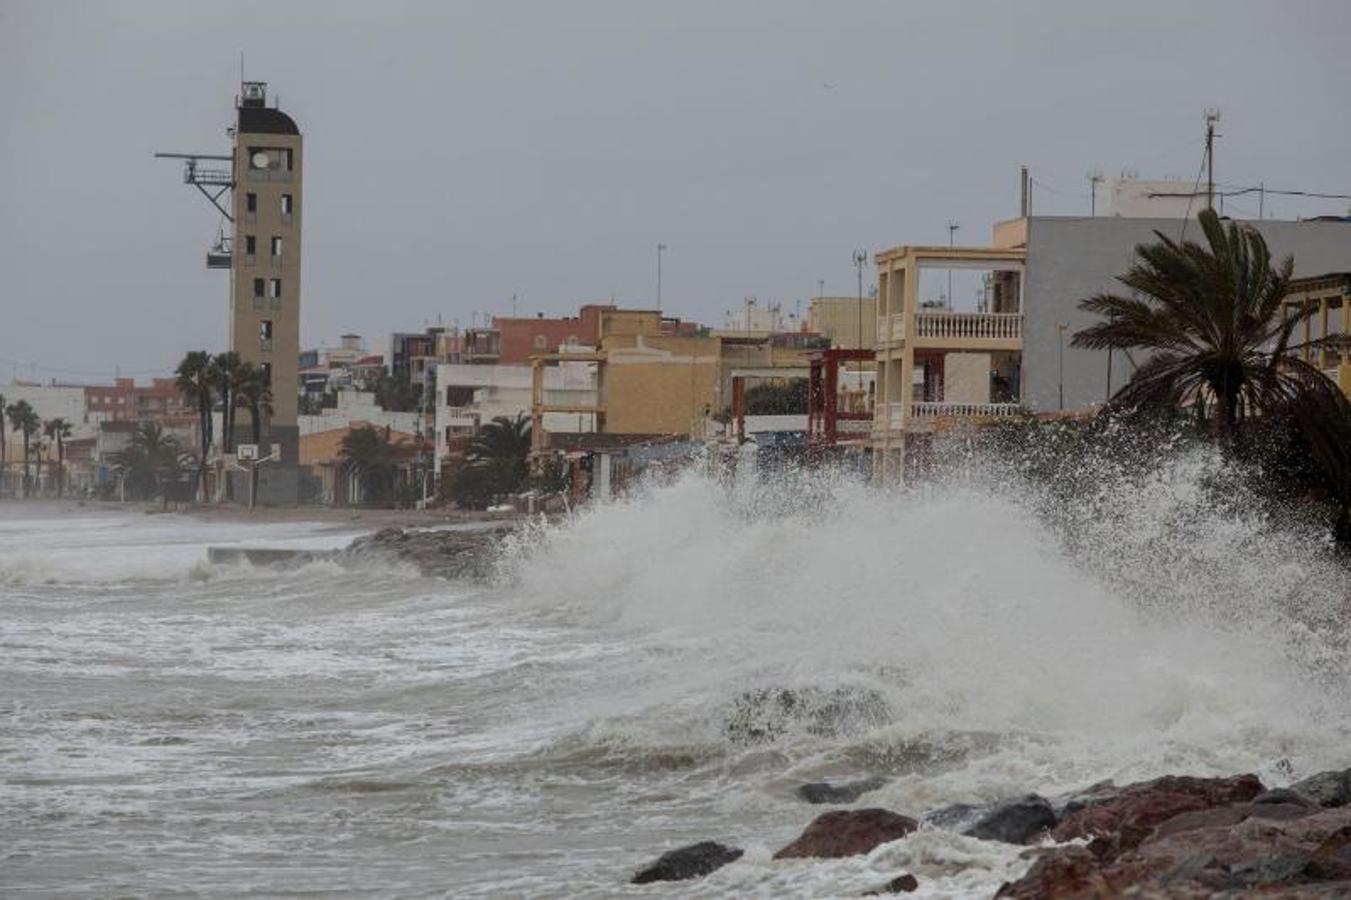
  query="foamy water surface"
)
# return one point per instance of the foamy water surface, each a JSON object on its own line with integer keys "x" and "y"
{"x": 174, "y": 727}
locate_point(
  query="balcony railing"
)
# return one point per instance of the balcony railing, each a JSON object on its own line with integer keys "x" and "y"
{"x": 963, "y": 410}
{"x": 928, "y": 411}
{"x": 956, "y": 325}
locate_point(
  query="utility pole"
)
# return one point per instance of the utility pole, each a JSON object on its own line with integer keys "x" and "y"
{"x": 1212, "y": 116}
{"x": 660, "y": 249}
{"x": 860, "y": 260}
{"x": 1094, "y": 176}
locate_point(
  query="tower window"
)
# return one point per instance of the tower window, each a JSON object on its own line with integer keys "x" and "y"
{"x": 274, "y": 289}
{"x": 285, "y": 204}
{"x": 267, "y": 371}
{"x": 251, "y": 202}
{"x": 257, "y": 287}
{"x": 250, "y": 244}
{"x": 276, "y": 246}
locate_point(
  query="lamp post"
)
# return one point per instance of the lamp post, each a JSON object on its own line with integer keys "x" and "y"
{"x": 860, "y": 260}
{"x": 952, "y": 233}
{"x": 1060, "y": 329}
{"x": 660, "y": 249}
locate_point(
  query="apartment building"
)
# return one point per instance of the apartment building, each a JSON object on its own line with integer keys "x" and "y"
{"x": 978, "y": 332}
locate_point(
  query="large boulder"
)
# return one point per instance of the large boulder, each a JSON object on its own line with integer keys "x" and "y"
{"x": 848, "y": 832}
{"x": 694, "y": 861}
{"x": 841, "y": 793}
{"x": 444, "y": 553}
{"x": 1279, "y": 849}
{"x": 1327, "y": 789}
{"x": 901, "y": 884}
{"x": 1122, "y": 821}
{"x": 1020, "y": 821}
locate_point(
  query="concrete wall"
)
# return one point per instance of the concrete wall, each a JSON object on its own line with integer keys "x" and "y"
{"x": 661, "y": 385}
{"x": 51, "y": 402}
{"x": 1069, "y": 259}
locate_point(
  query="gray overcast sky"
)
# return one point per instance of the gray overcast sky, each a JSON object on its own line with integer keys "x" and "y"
{"x": 457, "y": 153}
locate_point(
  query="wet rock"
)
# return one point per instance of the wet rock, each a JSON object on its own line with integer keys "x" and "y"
{"x": 901, "y": 884}
{"x": 1283, "y": 796}
{"x": 694, "y": 861}
{"x": 767, "y": 714}
{"x": 453, "y": 554}
{"x": 1326, "y": 789}
{"x": 1093, "y": 795}
{"x": 1129, "y": 817}
{"x": 1019, "y": 821}
{"x": 845, "y": 792}
{"x": 848, "y": 832}
{"x": 1231, "y": 849}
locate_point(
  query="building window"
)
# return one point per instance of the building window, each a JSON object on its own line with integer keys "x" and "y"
{"x": 265, "y": 334}
{"x": 276, "y": 159}
{"x": 250, "y": 245}
{"x": 285, "y": 204}
{"x": 257, "y": 287}
{"x": 540, "y": 342}
{"x": 267, "y": 371}
{"x": 276, "y": 246}
{"x": 274, "y": 289}
{"x": 250, "y": 202}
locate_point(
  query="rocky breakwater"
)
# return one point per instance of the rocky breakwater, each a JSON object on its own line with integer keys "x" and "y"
{"x": 1176, "y": 837}
{"x": 446, "y": 553}
{"x": 1198, "y": 837}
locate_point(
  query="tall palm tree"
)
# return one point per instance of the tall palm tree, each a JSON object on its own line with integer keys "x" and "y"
{"x": 24, "y": 420}
{"x": 58, "y": 430}
{"x": 1213, "y": 321}
{"x": 194, "y": 381}
{"x": 255, "y": 395}
{"x": 228, "y": 373}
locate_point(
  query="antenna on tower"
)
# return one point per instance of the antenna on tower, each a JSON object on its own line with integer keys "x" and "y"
{"x": 1094, "y": 178}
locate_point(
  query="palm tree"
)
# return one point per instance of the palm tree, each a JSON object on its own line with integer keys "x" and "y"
{"x": 366, "y": 453}
{"x": 255, "y": 395}
{"x": 195, "y": 383}
{"x": 228, "y": 373}
{"x": 1212, "y": 318}
{"x": 24, "y": 420}
{"x": 151, "y": 461}
{"x": 58, "y": 430}
{"x": 495, "y": 462}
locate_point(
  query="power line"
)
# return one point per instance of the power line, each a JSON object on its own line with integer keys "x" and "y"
{"x": 114, "y": 370}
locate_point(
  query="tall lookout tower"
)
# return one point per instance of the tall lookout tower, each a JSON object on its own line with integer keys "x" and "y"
{"x": 260, "y": 196}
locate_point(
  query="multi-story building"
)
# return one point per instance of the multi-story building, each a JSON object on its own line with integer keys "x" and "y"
{"x": 262, "y": 253}
{"x": 265, "y": 303}
{"x": 1001, "y": 340}
{"x": 1326, "y": 331}
{"x": 848, "y": 322}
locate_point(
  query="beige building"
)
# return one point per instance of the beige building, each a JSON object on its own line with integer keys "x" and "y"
{"x": 848, "y": 322}
{"x": 1329, "y": 296}
{"x": 935, "y": 362}
{"x": 265, "y": 275}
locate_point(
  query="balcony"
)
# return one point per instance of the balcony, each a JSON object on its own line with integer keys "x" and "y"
{"x": 890, "y": 328}
{"x": 890, "y": 417}
{"x": 960, "y": 326}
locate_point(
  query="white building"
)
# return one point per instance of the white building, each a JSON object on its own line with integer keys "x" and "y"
{"x": 55, "y": 401}
{"x": 358, "y": 406}
{"x": 467, "y": 396}
{"x": 1136, "y": 198}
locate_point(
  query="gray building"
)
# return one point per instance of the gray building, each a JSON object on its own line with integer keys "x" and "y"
{"x": 1070, "y": 258}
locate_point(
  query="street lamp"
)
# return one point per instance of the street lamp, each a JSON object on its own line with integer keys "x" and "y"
{"x": 952, "y": 233}
{"x": 860, "y": 260}
{"x": 660, "y": 249}
{"x": 1060, "y": 329}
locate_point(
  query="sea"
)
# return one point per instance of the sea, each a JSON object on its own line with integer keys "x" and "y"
{"x": 169, "y": 727}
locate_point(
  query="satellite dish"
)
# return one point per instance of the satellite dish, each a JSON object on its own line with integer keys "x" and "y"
{"x": 260, "y": 160}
